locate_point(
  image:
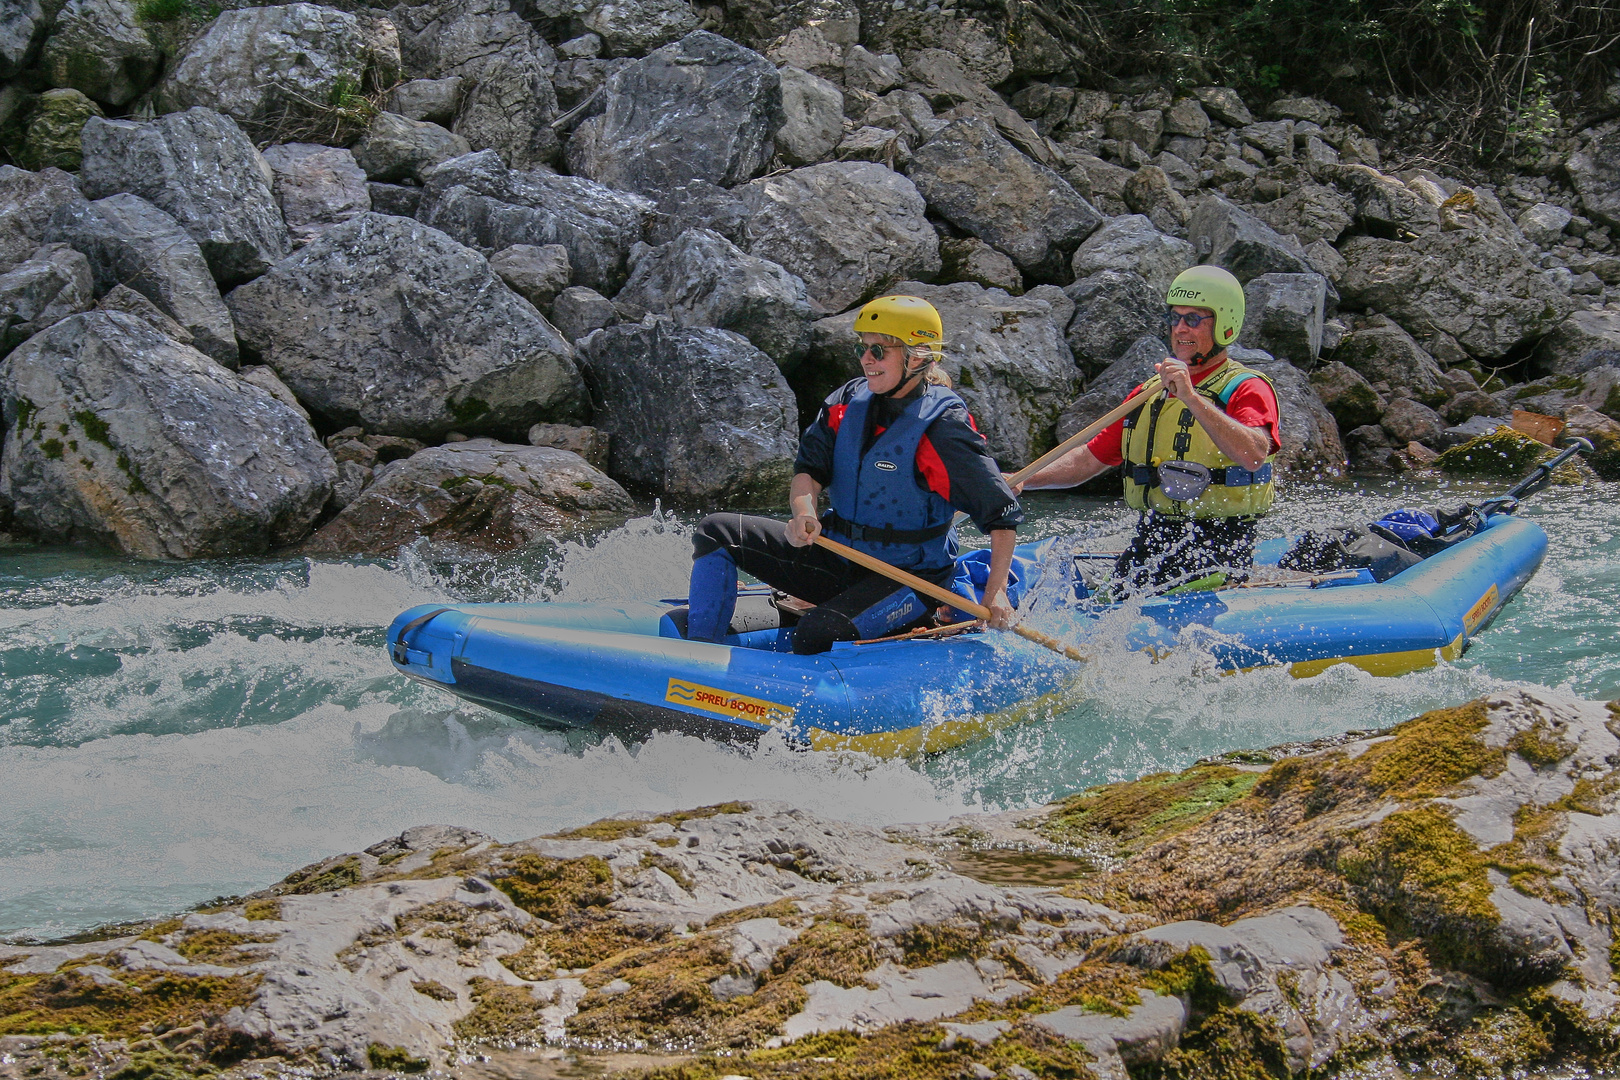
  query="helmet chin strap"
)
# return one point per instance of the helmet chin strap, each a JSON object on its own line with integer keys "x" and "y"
{"x": 905, "y": 380}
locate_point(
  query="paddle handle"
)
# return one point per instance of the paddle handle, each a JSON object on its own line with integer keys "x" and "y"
{"x": 943, "y": 595}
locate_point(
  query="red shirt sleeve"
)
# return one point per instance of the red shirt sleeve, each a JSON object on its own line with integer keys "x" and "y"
{"x": 1254, "y": 404}
{"x": 932, "y": 467}
{"x": 1108, "y": 445}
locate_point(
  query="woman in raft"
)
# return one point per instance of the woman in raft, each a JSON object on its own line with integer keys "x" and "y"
{"x": 897, "y": 455}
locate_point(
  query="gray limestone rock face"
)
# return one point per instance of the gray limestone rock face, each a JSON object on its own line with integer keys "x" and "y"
{"x": 23, "y": 26}
{"x": 480, "y": 494}
{"x": 1478, "y": 288}
{"x": 1310, "y": 437}
{"x": 396, "y": 148}
{"x": 1595, "y": 172}
{"x": 508, "y": 102}
{"x": 698, "y": 205}
{"x": 1224, "y": 104}
{"x": 1347, "y": 395}
{"x": 260, "y": 64}
{"x": 1274, "y": 138}
{"x": 27, "y": 201}
{"x": 702, "y": 279}
{"x": 980, "y": 183}
{"x": 433, "y": 100}
{"x": 702, "y": 108}
{"x": 1309, "y": 211}
{"x": 1227, "y": 236}
{"x": 1384, "y": 205}
{"x": 1186, "y": 117}
{"x": 101, "y": 49}
{"x": 1283, "y": 315}
{"x": 1146, "y": 1033}
{"x": 200, "y": 169}
{"x": 1543, "y": 224}
{"x": 1585, "y": 340}
{"x": 941, "y": 78}
{"x": 1131, "y": 244}
{"x": 537, "y": 274}
{"x": 1151, "y": 193}
{"x": 1469, "y": 404}
{"x": 813, "y": 117}
{"x": 696, "y": 415}
{"x": 396, "y": 200}
{"x": 483, "y": 204}
{"x": 388, "y": 324}
{"x": 1408, "y": 421}
{"x": 266, "y": 380}
{"x": 1006, "y": 357}
{"x": 127, "y": 300}
{"x": 1144, "y": 128}
{"x": 41, "y": 292}
{"x": 316, "y": 186}
{"x": 876, "y": 73}
{"x": 587, "y": 442}
{"x": 971, "y": 259}
{"x": 1380, "y": 351}
{"x": 1113, "y": 309}
{"x": 1110, "y": 387}
{"x": 849, "y": 229}
{"x": 579, "y": 310}
{"x": 636, "y": 27}
{"x": 131, "y": 242}
{"x": 167, "y": 454}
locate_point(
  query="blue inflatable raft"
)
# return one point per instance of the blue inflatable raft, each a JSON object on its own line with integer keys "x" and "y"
{"x": 626, "y": 669}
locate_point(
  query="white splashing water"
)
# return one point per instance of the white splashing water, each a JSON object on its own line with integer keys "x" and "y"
{"x": 169, "y": 735}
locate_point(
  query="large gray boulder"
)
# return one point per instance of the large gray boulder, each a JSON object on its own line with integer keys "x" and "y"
{"x": 696, "y": 415}
{"x": 1382, "y": 352}
{"x": 1384, "y": 205}
{"x": 123, "y": 436}
{"x": 481, "y": 494}
{"x": 396, "y": 148}
{"x": 1005, "y": 354}
{"x": 702, "y": 279}
{"x": 46, "y": 289}
{"x": 537, "y": 274}
{"x": 388, "y": 324}
{"x": 1595, "y": 172}
{"x": 508, "y": 102}
{"x": 131, "y": 242}
{"x": 263, "y": 65}
{"x": 27, "y": 201}
{"x": 636, "y": 27}
{"x": 1230, "y": 237}
{"x": 1309, "y": 211}
{"x": 101, "y": 49}
{"x": 483, "y": 204}
{"x": 1310, "y": 437}
{"x": 850, "y": 229}
{"x": 979, "y": 182}
{"x": 1109, "y": 388}
{"x": 698, "y": 205}
{"x": 702, "y": 108}
{"x": 22, "y": 27}
{"x": 1581, "y": 342}
{"x": 812, "y": 117}
{"x": 316, "y": 186}
{"x": 1478, "y": 288}
{"x": 1408, "y": 421}
{"x": 1347, "y": 395}
{"x": 200, "y": 169}
{"x": 1112, "y": 310}
{"x": 1131, "y": 244}
{"x": 1283, "y": 315}
{"x": 54, "y": 126}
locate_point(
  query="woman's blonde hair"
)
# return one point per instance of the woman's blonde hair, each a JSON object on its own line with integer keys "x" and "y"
{"x": 934, "y": 352}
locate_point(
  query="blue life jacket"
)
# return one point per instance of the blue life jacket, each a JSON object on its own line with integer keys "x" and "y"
{"x": 877, "y": 505}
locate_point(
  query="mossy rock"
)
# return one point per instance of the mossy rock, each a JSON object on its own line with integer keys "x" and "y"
{"x": 1135, "y": 813}
{"x": 54, "y": 128}
{"x": 1504, "y": 453}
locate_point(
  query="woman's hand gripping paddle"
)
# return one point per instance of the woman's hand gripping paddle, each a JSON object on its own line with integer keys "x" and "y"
{"x": 945, "y": 596}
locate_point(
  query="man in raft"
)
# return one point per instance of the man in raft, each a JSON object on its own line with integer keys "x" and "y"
{"x": 897, "y": 454}
{"x": 1197, "y": 455}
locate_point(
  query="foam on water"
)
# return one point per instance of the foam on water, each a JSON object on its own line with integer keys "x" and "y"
{"x": 169, "y": 733}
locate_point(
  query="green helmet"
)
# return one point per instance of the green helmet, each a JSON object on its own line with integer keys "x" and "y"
{"x": 1214, "y": 288}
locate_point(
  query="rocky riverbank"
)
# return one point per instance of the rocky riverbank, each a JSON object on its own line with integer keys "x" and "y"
{"x": 252, "y": 254}
{"x": 1438, "y": 896}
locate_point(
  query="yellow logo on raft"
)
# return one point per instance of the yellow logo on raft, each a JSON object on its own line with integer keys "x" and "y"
{"x": 725, "y": 703}
{"x": 1482, "y": 607}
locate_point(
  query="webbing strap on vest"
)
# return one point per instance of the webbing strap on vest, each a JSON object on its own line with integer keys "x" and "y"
{"x": 886, "y": 535}
{"x": 1226, "y": 476}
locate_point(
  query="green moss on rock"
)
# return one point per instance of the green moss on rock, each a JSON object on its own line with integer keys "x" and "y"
{"x": 71, "y": 1001}
{"x": 1135, "y": 813}
{"x": 395, "y": 1059}
{"x": 554, "y": 889}
{"x": 1503, "y": 453}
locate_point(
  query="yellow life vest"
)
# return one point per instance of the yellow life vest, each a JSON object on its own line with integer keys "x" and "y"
{"x": 1164, "y": 429}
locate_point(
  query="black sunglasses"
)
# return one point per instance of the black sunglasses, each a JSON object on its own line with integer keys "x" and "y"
{"x": 862, "y": 350}
{"x": 1191, "y": 318}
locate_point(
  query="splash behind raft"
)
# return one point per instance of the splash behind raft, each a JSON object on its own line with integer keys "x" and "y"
{"x": 626, "y": 669}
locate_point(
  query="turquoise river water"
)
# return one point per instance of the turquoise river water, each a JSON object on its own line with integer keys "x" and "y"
{"x": 170, "y": 733}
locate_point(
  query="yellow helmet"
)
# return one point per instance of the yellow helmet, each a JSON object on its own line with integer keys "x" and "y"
{"x": 910, "y": 318}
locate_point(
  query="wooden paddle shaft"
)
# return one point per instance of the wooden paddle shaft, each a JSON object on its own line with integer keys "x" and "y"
{"x": 943, "y": 595}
